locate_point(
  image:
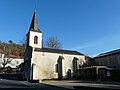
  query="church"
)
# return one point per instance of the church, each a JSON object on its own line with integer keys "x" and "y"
{"x": 46, "y": 63}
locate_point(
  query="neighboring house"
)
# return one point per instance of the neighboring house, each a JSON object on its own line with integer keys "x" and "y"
{"x": 45, "y": 63}
{"x": 13, "y": 69}
{"x": 110, "y": 59}
{"x": 15, "y": 61}
{"x": 1, "y": 56}
{"x": 89, "y": 62}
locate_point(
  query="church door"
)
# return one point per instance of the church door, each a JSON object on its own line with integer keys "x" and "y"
{"x": 69, "y": 74}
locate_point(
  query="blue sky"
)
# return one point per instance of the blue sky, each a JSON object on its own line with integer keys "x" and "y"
{"x": 88, "y": 26}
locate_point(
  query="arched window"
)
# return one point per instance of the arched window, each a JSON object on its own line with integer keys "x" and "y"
{"x": 35, "y": 40}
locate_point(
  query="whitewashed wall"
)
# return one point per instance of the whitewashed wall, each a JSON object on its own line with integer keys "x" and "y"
{"x": 31, "y": 42}
{"x": 44, "y": 64}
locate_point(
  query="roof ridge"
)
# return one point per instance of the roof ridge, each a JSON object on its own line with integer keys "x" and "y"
{"x": 108, "y": 53}
{"x": 58, "y": 51}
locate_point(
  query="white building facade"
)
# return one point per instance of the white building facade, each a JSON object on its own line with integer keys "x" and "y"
{"x": 45, "y": 63}
{"x": 14, "y": 61}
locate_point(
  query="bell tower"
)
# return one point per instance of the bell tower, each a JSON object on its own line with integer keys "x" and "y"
{"x": 34, "y": 36}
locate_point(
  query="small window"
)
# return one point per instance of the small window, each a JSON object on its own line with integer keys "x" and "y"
{"x": 35, "y": 40}
{"x": 56, "y": 67}
{"x": 17, "y": 62}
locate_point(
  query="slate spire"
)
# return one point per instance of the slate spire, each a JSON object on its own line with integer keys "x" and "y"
{"x": 34, "y": 24}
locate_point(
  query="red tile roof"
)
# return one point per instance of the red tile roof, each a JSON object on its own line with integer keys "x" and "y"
{"x": 14, "y": 57}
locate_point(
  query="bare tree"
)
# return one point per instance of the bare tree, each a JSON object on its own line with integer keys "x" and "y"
{"x": 6, "y": 61}
{"x": 53, "y": 42}
{"x": 10, "y": 46}
{"x": 23, "y": 41}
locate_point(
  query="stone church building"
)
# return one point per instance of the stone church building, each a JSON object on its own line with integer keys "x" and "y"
{"x": 46, "y": 63}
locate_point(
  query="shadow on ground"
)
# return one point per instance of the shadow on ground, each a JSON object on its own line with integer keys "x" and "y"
{"x": 41, "y": 87}
{"x": 52, "y": 87}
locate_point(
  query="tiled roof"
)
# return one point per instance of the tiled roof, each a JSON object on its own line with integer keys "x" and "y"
{"x": 108, "y": 53}
{"x": 58, "y": 51}
{"x": 14, "y": 57}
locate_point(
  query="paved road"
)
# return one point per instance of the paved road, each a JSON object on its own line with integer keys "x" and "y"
{"x": 24, "y": 85}
{"x": 85, "y": 85}
{"x": 58, "y": 85}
